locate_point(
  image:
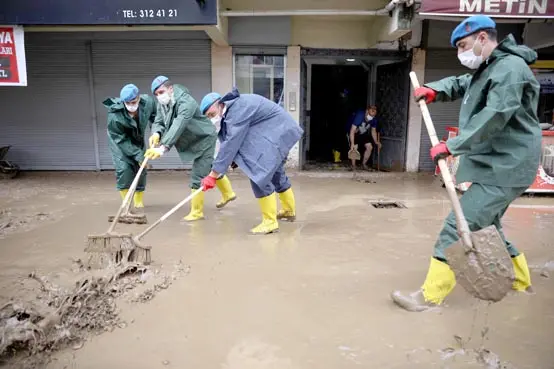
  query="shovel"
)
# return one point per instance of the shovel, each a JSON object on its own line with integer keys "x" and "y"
{"x": 125, "y": 247}
{"x": 479, "y": 259}
{"x": 354, "y": 154}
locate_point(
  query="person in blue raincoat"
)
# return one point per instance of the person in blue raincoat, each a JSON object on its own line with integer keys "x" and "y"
{"x": 257, "y": 135}
{"x": 128, "y": 118}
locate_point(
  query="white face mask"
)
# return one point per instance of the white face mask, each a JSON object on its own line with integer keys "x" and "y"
{"x": 469, "y": 59}
{"x": 369, "y": 118}
{"x": 131, "y": 108}
{"x": 216, "y": 120}
{"x": 164, "y": 98}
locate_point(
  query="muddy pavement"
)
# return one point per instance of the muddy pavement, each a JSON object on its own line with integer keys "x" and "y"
{"x": 314, "y": 295}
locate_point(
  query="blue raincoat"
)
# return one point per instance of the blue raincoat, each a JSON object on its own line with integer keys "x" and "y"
{"x": 256, "y": 134}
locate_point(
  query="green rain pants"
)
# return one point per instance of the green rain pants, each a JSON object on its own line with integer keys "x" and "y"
{"x": 483, "y": 205}
{"x": 201, "y": 164}
{"x": 125, "y": 172}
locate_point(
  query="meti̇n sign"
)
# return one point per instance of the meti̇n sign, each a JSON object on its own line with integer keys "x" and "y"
{"x": 494, "y": 8}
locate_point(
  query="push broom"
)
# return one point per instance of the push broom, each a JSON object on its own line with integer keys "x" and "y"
{"x": 112, "y": 248}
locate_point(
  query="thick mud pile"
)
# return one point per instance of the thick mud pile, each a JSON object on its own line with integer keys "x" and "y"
{"x": 57, "y": 318}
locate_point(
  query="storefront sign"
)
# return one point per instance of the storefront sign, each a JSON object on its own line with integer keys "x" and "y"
{"x": 12, "y": 57}
{"x": 494, "y": 8}
{"x": 109, "y": 12}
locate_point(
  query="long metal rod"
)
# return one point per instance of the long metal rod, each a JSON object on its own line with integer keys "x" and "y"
{"x": 334, "y": 12}
{"x": 321, "y": 12}
{"x": 92, "y": 98}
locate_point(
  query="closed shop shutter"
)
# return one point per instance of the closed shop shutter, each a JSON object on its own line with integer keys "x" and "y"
{"x": 440, "y": 63}
{"x": 48, "y": 123}
{"x": 118, "y": 62}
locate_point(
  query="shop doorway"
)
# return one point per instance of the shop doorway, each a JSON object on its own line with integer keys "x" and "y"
{"x": 334, "y": 83}
{"x": 336, "y": 91}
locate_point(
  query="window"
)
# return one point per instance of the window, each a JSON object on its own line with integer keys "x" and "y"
{"x": 261, "y": 74}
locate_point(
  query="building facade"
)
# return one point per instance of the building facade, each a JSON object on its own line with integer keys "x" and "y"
{"x": 79, "y": 56}
{"x": 318, "y": 60}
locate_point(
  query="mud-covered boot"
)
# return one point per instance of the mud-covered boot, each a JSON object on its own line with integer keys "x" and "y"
{"x": 411, "y": 301}
{"x": 269, "y": 224}
{"x": 227, "y": 193}
{"x": 440, "y": 281}
{"x": 288, "y": 206}
{"x": 196, "y": 208}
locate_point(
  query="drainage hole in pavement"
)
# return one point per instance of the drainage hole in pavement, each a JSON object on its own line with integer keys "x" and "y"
{"x": 388, "y": 205}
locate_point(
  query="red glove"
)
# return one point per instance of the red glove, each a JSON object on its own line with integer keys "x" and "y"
{"x": 208, "y": 183}
{"x": 439, "y": 151}
{"x": 425, "y": 93}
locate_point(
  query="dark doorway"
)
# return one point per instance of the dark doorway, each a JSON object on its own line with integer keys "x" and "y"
{"x": 336, "y": 92}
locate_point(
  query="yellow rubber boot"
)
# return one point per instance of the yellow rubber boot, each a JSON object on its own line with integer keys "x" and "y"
{"x": 137, "y": 199}
{"x": 336, "y": 155}
{"x": 227, "y": 193}
{"x": 523, "y": 276}
{"x": 123, "y": 193}
{"x": 268, "y": 206}
{"x": 440, "y": 281}
{"x": 196, "y": 208}
{"x": 288, "y": 206}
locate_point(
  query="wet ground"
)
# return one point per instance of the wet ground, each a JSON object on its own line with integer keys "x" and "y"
{"x": 314, "y": 295}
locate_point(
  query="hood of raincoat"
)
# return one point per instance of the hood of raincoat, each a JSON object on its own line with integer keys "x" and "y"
{"x": 509, "y": 46}
{"x": 113, "y": 104}
{"x": 230, "y": 96}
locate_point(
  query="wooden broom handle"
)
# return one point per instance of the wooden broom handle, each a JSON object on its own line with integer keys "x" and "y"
{"x": 463, "y": 228}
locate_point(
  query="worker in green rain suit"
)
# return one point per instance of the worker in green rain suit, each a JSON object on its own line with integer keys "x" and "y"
{"x": 499, "y": 143}
{"x": 128, "y": 118}
{"x": 180, "y": 123}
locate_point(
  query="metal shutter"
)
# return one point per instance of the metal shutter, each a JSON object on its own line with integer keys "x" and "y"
{"x": 116, "y": 63}
{"x": 49, "y": 122}
{"x": 439, "y": 64}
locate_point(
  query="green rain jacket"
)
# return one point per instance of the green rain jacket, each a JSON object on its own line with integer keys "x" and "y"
{"x": 499, "y": 137}
{"x": 181, "y": 124}
{"x": 125, "y": 136}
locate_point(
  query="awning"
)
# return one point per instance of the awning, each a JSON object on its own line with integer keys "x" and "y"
{"x": 514, "y": 9}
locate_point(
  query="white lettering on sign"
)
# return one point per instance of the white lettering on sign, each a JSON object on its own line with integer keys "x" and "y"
{"x": 6, "y": 38}
{"x": 6, "y": 50}
{"x": 538, "y": 6}
{"x": 509, "y": 5}
{"x": 469, "y": 6}
{"x": 497, "y": 6}
{"x": 149, "y": 13}
{"x": 492, "y": 6}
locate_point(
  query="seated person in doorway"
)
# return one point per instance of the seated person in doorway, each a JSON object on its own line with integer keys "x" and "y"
{"x": 363, "y": 132}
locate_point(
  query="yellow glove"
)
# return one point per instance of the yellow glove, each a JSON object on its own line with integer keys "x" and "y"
{"x": 154, "y": 140}
{"x": 154, "y": 153}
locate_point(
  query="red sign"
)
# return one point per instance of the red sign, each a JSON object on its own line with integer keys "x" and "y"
{"x": 493, "y": 8}
{"x": 12, "y": 57}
